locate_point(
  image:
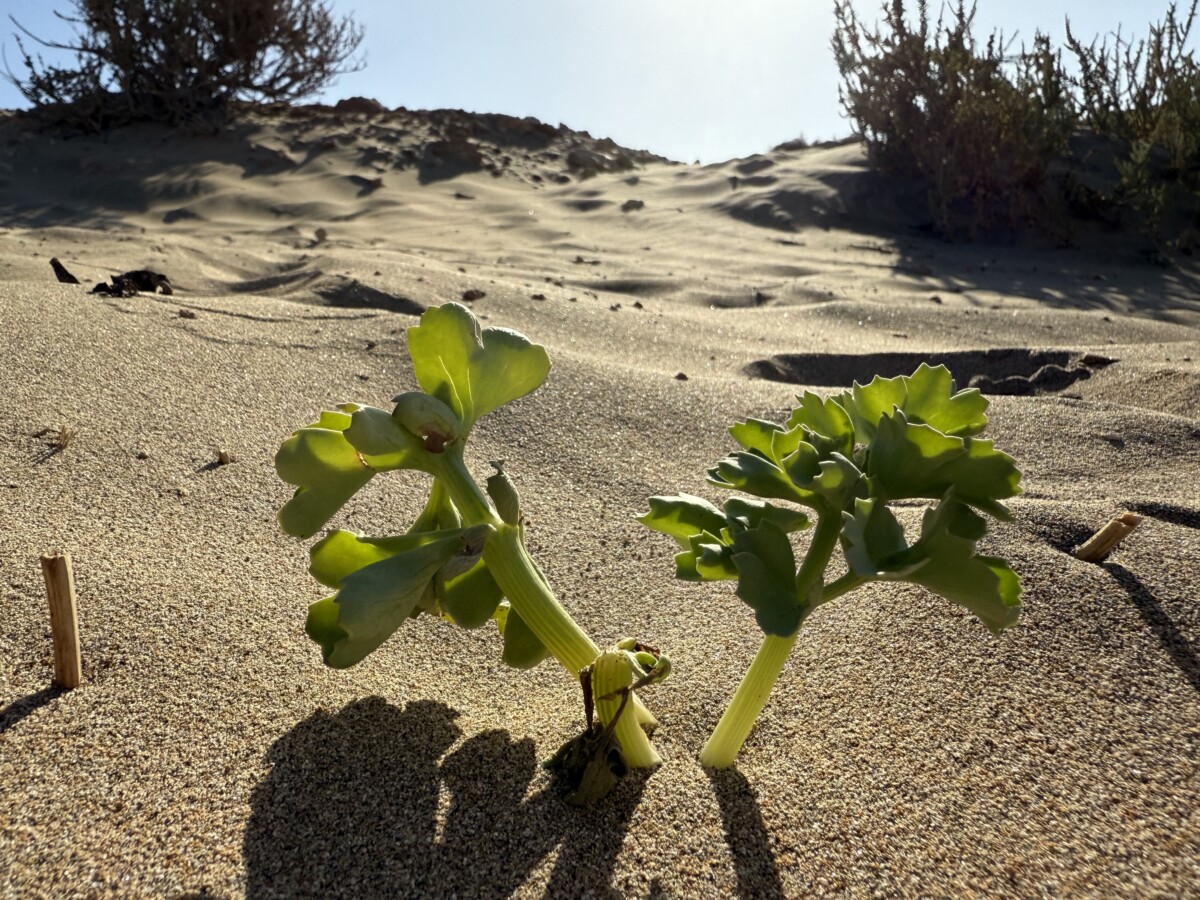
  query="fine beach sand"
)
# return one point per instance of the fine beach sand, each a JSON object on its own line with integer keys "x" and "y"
{"x": 904, "y": 751}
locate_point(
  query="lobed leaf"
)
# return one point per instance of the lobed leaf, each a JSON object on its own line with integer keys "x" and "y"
{"x": 376, "y": 599}
{"x": 755, "y": 435}
{"x": 681, "y": 516}
{"x": 942, "y": 560}
{"x": 911, "y": 460}
{"x": 827, "y": 418}
{"x": 767, "y": 578}
{"x": 742, "y": 512}
{"x": 328, "y": 469}
{"x": 926, "y": 397}
{"x": 473, "y": 370}
{"x": 522, "y": 648}
{"x": 756, "y": 475}
{"x": 341, "y": 553}
{"x": 711, "y": 559}
{"x": 471, "y": 599}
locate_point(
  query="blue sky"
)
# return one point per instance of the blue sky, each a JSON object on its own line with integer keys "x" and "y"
{"x": 689, "y": 79}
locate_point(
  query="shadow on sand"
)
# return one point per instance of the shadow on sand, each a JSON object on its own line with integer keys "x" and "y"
{"x": 23, "y": 706}
{"x": 1174, "y": 642}
{"x": 753, "y": 861}
{"x": 351, "y": 805}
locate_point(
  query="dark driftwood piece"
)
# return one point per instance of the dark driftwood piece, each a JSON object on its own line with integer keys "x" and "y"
{"x": 61, "y": 273}
{"x": 130, "y": 283}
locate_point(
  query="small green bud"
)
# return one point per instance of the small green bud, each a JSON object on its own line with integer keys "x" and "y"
{"x": 646, "y": 660}
{"x": 500, "y": 488}
{"x": 428, "y": 418}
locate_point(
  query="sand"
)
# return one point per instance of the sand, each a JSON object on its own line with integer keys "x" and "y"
{"x": 905, "y": 751}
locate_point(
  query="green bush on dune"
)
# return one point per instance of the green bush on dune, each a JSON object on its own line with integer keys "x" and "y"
{"x": 985, "y": 129}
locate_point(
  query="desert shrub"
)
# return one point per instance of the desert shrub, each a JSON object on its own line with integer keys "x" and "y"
{"x": 979, "y": 127}
{"x": 993, "y": 134}
{"x": 170, "y": 60}
{"x": 1147, "y": 96}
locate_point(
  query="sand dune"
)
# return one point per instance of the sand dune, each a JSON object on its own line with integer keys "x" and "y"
{"x": 905, "y": 752}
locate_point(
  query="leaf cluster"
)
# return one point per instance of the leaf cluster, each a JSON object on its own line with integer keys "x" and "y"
{"x": 845, "y": 458}
{"x": 173, "y": 60}
{"x": 436, "y": 566}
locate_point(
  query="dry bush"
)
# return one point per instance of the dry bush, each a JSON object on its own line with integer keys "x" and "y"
{"x": 984, "y": 129}
{"x": 1147, "y": 96}
{"x": 979, "y": 127}
{"x": 173, "y": 60}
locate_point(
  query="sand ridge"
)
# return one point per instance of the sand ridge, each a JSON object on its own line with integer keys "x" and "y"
{"x": 905, "y": 751}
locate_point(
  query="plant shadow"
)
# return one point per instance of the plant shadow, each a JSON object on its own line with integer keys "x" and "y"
{"x": 361, "y": 803}
{"x": 746, "y": 834}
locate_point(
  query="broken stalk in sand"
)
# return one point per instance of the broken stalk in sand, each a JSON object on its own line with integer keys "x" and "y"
{"x": 64, "y": 621}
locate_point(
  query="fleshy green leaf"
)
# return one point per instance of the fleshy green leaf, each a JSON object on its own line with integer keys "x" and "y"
{"x": 908, "y": 460}
{"x": 377, "y": 435}
{"x": 682, "y": 516}
{"x": 767, "y": 578}
{"x": 341, "y": 553}
{"x": 930, "y": 399}
{"x": 827, "y": 418}
{"x": 872, "y": 539}
{"x": 712, "y": 558}
{"x": 328, "y": 469}
{"x": 522, "y": 649}
{"x": 746, "y": 513}
{"x": 755, "y": 435}
{"x": 471, "y": 598}
{"x": 756, "y": 475}
{"x": 837, "y": 481}
{"x": 802, "y": 463}
{"x": 925, "y": 397}
{"x": 473, "y": 370}
{"x": 867, "y": 404}
{"x": 322, "y": 625}
{"x": 375, "y": 600}
{"x": 985, "y": 585}
{"x": 943, "y": 560}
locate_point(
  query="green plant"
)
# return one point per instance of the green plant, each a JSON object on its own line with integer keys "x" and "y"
{"x": 998, "y": 139}
{"x": 846, "y": 457}
{"x": 464, "y": 558}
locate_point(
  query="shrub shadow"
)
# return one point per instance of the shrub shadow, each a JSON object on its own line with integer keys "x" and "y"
{"x": 351, "y": 805}
{"x": 746, "y": 834}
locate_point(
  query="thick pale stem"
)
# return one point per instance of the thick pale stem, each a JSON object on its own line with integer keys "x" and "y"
{"x": 612, "y": 674}
{"x": 516, "y": 572}
{"x": 733, "y": 729}
{"x": 527, "y": 589}
{"x": 751, "y": 696}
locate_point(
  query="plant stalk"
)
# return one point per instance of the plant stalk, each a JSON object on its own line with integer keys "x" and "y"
{"x": 751, "y": 696}
{"x": 530, "y": 595}
{"x": 515, "y": 571}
